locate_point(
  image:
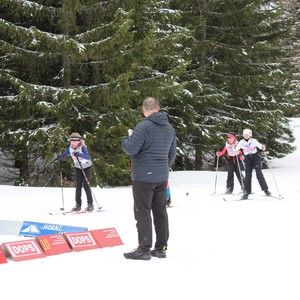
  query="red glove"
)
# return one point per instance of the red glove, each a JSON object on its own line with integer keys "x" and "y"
{"x": 241, "y": 157}
{"x": 218, "y": 153}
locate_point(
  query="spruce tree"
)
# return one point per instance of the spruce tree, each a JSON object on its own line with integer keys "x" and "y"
{"x": 238, "y": 49}
{"x": 86, "y": 65}
{"x": 39, "y": 106}
{"x": 81, "y": 66}
{"x": 291, "y": 11}
{"x": 148, "y": 65}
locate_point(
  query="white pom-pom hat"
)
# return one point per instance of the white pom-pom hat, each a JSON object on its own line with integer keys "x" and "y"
{"x": 247, "y": 131}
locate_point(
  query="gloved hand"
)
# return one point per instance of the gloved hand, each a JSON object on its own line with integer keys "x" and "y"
{"x": 76, "y": 154}
{"x": 241, "y": 157}
{"x": 130, "y": 132}
{"x": 218, "y": 153}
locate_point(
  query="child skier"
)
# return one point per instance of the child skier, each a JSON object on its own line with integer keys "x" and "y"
{"x": 252, "y": 161}
{"x": 82, "y": 163}
{"x": 233, "y": 164}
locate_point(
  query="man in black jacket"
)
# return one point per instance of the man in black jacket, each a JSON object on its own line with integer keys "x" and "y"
{"x": 151, "y": 146}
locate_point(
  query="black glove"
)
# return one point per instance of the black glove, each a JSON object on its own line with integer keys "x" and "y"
{"x": 76, "y": 154}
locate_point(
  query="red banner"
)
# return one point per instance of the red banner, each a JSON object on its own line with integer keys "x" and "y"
{"x": 81, "y": 241}
{"x": 24, "y": 250}
{"x": 53, "y": 244}
{"x": 3, "y": 259}
{"x": 108, "y": 237}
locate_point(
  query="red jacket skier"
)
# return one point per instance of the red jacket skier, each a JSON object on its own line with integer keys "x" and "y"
{"x": 233, "y": 164}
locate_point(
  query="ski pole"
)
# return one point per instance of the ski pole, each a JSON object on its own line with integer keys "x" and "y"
{"x": 279, "y": 194}
{"x": 274, "y": 181}
{"x": 87, "y": 181}
{"x": 216, "y": 177}
{"x": 187, "y": 193}
{"x": 62, "y": 191}
{"x": 241, "y": 174}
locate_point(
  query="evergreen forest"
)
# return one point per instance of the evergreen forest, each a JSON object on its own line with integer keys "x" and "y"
{"x": 215, "y": 66}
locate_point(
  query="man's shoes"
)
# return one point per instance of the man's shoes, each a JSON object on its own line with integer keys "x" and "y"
{"x": 138, "y": 253}
{"x": 244, "y": 197}
{"x": 90, "y": 207}
{"x": 159, "y": 253}
{"x": 76, "y": 208}
{"x": 267, "y": 192}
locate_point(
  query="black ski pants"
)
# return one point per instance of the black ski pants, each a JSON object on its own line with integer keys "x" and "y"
{"x": 150, "y": 201}
{"x": 81, "y": 181}
{"x": 253, "y": 161}
{"x": 234, "y": 167}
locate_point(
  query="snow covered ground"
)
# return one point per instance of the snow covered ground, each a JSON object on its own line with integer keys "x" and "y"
{"x": 217, "y": 250}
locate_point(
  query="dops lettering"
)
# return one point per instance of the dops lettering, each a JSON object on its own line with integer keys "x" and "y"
{"x": 81, "y": 240}
{"x": 23, "y": 248}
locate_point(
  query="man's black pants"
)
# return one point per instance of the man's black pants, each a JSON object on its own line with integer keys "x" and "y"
{"x": 150, "y": 200}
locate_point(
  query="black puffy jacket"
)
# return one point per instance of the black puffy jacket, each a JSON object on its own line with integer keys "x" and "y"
{"x": 152, "y": 149}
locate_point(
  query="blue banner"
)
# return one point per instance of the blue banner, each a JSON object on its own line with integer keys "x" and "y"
{"x": 36, "y": 229}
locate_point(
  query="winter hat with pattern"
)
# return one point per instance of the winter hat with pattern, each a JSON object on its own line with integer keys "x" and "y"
{"x": 231, "y": 135}
{"x": 75, "y": 136}
{"x": 247, "y": 131}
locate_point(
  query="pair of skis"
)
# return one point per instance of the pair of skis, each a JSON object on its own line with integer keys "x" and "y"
{"x": 225, "y": 194}
{"x": 280, "y": 197}
{"x": 78, "y": 212}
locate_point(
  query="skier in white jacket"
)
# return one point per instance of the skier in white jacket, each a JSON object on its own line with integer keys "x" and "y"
{"x": 252, "y": 161}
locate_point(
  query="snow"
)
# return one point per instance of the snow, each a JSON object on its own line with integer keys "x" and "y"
{"x": 217, "y": 250}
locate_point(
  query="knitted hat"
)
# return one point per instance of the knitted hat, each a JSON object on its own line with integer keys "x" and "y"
{"x": 247, "y": 131}
{"x": 231, "y": 135}
{"x": 75, "y": 137}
